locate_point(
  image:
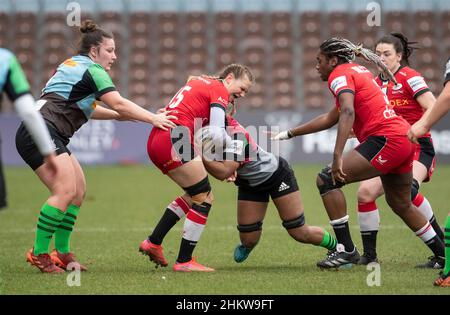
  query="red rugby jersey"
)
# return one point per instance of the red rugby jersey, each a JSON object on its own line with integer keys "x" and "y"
{"x": 410, "y": 84}
{"x": 374, "y": 115}
{"x": 195, "y": 99}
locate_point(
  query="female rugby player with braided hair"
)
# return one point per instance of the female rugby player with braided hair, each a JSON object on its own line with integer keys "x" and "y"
{"x": 384, "y": 149}
{"x": 411, "y": 98}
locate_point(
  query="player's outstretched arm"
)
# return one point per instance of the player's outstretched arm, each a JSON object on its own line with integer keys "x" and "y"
{"x": 439, "y": 110}
{"x": 321, "y": 122}
{"x": 131, "y": 111}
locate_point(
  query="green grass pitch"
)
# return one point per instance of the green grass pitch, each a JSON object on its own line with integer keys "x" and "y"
{"x": 123, "y": 204}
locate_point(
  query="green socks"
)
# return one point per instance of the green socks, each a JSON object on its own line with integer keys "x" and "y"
{"x": 62, "y": 234}
{"x": 48, "y": 222}
{"x": 329, "y": 242}
{"x": 447, "y": 246}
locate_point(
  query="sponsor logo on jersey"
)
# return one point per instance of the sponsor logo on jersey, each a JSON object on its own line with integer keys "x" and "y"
{"x": 416, "y": 83}
{"x": 381, "y": 160}
{"x": 337, "y": 83}
{"x": 399, "y": 102}
{"x": 221, "y": 100}
{"x": 389, "y": 113}
{"x": 70, "y": 63}
{"x": 397, "y": 87}
{"x": 283, "y": 186}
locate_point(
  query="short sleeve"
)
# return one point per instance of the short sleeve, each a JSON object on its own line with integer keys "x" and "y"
{"x": 340, "y": 82}
{"x": 447, "y": 72}
{"x": 219, "y": 97}
{"x": 415, "y": 84}
{"x": 100, "y": 81}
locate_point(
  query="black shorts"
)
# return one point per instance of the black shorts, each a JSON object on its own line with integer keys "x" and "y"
{"x": 425, "y": 154}
{"x": 281, "y": 183}
{"x": 29, "y": 151}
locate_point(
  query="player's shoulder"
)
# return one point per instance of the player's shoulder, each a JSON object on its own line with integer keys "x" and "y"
{"x": 348, "y": 69}
{"x": 207, "y": 85}
{"x": 5, "y": 54}
{"x": 407, "y": 72}
{"x": 204, "y": 81}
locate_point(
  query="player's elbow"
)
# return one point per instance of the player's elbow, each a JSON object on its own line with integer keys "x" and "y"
{"x": 116, "y": 102}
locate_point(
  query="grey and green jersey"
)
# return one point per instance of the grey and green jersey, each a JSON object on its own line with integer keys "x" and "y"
{"x": 12, "y": 79}
{"x": 71, "y": 92}
{"x": 256, "y": 172}
{"x": 257, "y": 165}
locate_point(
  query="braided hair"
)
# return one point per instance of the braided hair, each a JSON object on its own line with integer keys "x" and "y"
{"x": 346, "y": 52}
{"x": 401, "y": 45}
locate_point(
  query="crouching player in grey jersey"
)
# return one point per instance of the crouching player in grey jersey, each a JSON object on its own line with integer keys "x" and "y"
{"x": 260, "y": 175}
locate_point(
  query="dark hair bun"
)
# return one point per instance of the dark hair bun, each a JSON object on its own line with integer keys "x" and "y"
{"x": 88, "y": 26}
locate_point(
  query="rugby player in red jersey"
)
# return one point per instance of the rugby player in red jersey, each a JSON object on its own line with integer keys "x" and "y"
{"x": 200, "y": 102}
{"x": 383, "y": 151}
{"x": 411, "y": 98}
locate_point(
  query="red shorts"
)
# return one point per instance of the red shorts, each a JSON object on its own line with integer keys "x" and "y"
{"x": 389, "y": 155}
{"x": 425, "y": 154}
{"x": 168, "y": 151}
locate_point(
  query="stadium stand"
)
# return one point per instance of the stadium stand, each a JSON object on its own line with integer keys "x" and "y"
{"x": 161, "y": 42}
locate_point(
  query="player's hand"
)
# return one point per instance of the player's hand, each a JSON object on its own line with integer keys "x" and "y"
{"x": 161, "y": 110}
{"x": 232, "y": 178}
{"x": 336, "y": 171}
{"x": 416, "y": 131}
{"x": 163, "y": 120}
{"x": 283, "y": 135}
{"x": 50, "y": 164}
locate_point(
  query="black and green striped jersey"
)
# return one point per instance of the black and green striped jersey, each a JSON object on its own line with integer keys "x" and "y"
{"x": 69, "y": 97}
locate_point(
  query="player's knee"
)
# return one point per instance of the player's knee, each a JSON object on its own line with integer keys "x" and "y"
{"x": 294, "y": 223}
{"x": 66, "y": 192}
{"x": 248, "y": 228}
{"x": 399, "y": 206}
{"x": 200, "y": 192}
{"x": 414, "y": 189}
{"x": 249, "y": 239}
{"x": 79, "y": 197}
{"x": 297, "y": 229}
{"x": 366, "y": 194}
{"x": 324, "y": 182}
